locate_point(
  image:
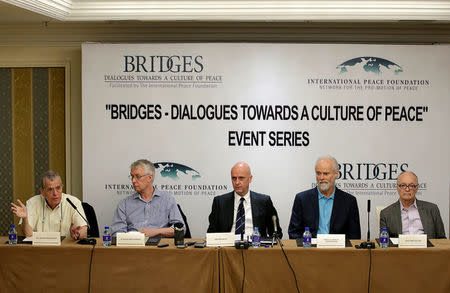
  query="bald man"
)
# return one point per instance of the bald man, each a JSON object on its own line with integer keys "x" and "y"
{"x": 241, "y": 210}
{"x": 409, "y": 215}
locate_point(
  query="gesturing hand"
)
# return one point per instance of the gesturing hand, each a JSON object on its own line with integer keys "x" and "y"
{"x": 19, "y": 209}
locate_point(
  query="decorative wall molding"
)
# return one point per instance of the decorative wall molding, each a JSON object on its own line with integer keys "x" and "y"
{"x": 238, "y": 10}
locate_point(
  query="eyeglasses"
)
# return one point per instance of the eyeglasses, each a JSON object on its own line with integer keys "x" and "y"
{"x": 137, "y": 177}
{"x": 51, "y": 189}
{"x": 410, "y": 186}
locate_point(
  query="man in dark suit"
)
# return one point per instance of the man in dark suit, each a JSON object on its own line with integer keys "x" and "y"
{"x": 241, "y": 210}
{"x": 409, "y": 215}
{"x": 325, "y": 209}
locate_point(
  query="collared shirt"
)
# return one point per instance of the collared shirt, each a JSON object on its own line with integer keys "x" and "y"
{"x": 248, "y": 214}
{"x": 134, "y": 213}
{"x": 411, "y": 223}
{"x": 325, "y": 209}
{"x": 43, "y": 219}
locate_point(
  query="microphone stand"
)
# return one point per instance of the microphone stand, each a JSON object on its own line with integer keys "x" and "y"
{"x": 87, "y": 240}
{"x": 367, "y": 244}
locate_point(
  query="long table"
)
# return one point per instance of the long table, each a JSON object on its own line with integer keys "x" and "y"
{"x": 86, "y": 268}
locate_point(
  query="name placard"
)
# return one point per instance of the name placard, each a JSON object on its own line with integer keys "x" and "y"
{"x": 412, "y": 241}
{"x": 46, "y": 238}
{"x": 330, "y": 240}
{"x": 130, "y": 239}
{"x": 219, "y": 239}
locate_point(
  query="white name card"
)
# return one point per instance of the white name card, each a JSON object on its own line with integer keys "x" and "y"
{"x": 219, "y": 239}
{"x": 46, "y": 238}
{"x": 330, "y": 240}
{"x": 130, "y": 239}
{"x": 412, "y": 241}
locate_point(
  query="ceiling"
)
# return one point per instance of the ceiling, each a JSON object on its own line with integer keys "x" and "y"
{"x": 28, "y": 11}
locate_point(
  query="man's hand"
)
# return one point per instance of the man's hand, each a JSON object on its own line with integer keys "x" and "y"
{"x": 19, "y": 210}
{"x": 75, "y": 231}
{"x": 166, "y": 232}
{"x": 150, "y": 232}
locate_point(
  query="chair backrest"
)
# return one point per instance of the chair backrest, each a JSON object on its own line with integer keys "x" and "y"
{"x": 187, "y": 231}
{"x": 92, "y": 219}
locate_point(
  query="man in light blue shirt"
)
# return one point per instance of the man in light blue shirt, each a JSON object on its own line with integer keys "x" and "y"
{"x": 149, "y": 210}
{"x": 325, "y": 209}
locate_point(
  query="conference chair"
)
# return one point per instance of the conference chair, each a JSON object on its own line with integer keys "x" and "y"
{"x": 187, "y": 232}
{"x": 92, "y": 219}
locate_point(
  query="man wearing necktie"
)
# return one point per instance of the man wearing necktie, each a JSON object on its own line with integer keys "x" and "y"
{"x": 241, "y": 210}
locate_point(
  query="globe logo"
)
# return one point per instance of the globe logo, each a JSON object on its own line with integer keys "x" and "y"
{"x": 370, "y": 65}
{"x": 175, "y": 171}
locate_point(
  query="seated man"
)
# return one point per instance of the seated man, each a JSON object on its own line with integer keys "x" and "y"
{"x": 241, "y": 210}
{"x": 149, "y": 210}
{"x": 325, "y": 209}
{"x": 50, "y": 211}
{"x": 409, "y": 215}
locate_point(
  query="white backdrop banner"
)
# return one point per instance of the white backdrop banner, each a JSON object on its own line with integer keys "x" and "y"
{"x": 196, "y": 109}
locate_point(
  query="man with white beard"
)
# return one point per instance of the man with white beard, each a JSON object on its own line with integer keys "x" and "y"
{"x": 325, "y": 209}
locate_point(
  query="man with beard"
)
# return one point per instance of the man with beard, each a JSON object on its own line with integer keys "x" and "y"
{"x": 409, "y": 215}
{"x": 325, "y": 209}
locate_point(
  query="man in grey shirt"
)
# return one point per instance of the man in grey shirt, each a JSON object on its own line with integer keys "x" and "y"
{"x": 149, "y": 210}
{"x": 409, "y": 215}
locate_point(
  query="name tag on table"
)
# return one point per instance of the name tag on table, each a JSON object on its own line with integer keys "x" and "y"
{"x": 46, "y": 238}
{"x": 219, "y": 239}
{"x": 412, "y": 241}
{"x": 130, "y": 239}
{"x": 330, "y": 240}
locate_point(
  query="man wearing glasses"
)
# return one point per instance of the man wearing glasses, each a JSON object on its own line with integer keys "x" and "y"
{"x": 149, "y": 210}
{"x": 50, "y": 211}
{"x": 409, "y": 215}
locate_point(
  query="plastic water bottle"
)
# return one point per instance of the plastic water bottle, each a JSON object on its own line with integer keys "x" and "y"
{"x": 256, "y": 238}
{"x": 107, "y": 237}
{"x": 12, "y": 235}
{"x": 384, "y": 238}
{"x": 307, "y": 238}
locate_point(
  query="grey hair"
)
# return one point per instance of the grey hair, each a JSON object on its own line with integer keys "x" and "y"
{"x": 148, "y": 166}
{"x": 50, "y": 175}
{"x": 405, "y": 172}
{"x": 332, "y": 159}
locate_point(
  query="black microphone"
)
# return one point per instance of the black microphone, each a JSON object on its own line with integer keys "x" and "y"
{"x": 367, "y": 244}
{"x": 368, "y": 220}
{"x": 82, "y": 241}
{"x": 75, "y": 207}
{"x": 275, "y": 229}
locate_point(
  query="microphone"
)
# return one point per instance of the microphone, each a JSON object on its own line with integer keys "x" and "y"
{"x": 368, "y": 220}
{"x": 275, "y": 229}
{"x": 274, "y": 221}
{"x": 82, "y": 241}
{"x": 367, "y": 244}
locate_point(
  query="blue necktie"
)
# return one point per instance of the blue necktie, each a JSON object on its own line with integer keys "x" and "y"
{"x": 240, "y": 218}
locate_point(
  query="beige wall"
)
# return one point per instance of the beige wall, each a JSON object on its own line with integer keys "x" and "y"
{"x": 70, "y": 58}
{"x": 59, "y": 44}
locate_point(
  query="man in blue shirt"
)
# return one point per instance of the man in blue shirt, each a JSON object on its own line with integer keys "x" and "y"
{"x": 149, "y": 210}
{"x": 325, "y": 209}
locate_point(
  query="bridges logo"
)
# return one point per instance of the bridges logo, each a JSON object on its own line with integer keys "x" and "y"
{"x": 367, "y": 64}
{"x": 176, "y": 171}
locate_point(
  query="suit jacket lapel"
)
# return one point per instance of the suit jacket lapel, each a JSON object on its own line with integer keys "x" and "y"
{"x": 397, "y": 218}
{"x": 229, "y": 210}
{"x": 315, "y": 203}
{"x": 423, "y": 217}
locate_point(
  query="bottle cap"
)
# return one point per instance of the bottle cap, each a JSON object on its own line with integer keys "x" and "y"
{"x": 384, "y": 229}
{"x": 13, "y": 226}
{"x": 256, "y": 228}
{"x": 306, "y": 228}
{"x": 106, "y": 227}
